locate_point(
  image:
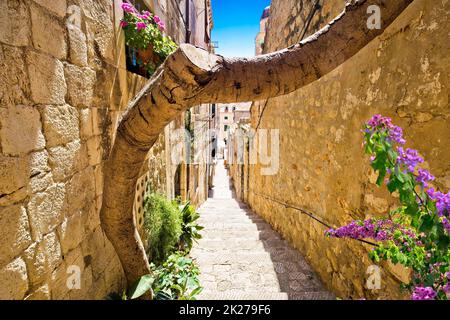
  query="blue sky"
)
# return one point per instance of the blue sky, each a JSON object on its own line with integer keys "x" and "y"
{"x": 236, "y": 23}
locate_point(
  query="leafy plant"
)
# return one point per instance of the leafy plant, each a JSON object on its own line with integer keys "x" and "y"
{"x": 417, "y": 233}
{"x": 190, "y": 227}
{"x": 176, "y": 278}
{"x": 162, "y": 224}
{"x": 143, "y": 285}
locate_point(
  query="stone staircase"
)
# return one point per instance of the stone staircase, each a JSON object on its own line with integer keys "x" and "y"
{"x": 242, "y": 258}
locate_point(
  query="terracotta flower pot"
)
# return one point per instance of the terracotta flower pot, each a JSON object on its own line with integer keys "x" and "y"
{"x": 148, "y": 54}
{"x": 145, "y": 55}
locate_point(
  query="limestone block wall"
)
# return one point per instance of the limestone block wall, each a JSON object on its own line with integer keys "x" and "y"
{"x": 63, "y": 87}
{"x": 403, "y": 74}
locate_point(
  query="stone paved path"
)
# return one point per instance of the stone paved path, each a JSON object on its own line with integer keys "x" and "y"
{"x": 241, "y": 257}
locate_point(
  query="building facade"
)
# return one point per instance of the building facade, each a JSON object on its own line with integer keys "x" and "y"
{"x": 65, "y": 83}
{"x": 259, "y": 41}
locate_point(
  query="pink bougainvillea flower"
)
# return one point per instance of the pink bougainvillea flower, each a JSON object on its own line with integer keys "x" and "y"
{"x": 145, "y": 15}
{"x": 127, "y": 7}
{"x": 157, "y": 19}
{"x": 123, "y": 23}
{"x": 140, "y": 25}
{"x": 161, "y": 26}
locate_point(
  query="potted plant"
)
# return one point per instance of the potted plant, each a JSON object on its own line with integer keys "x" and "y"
{"x": 144, "y": 32}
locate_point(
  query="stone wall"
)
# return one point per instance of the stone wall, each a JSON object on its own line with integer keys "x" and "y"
{"x": 403, "y": 74}
{"x": 64, "y": 85}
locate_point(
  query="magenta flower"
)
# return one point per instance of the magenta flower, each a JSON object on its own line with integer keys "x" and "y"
{"x": 128, "y": 8}
{"x": 424, "y": 176}
{"x": 446, "y": 223}
{"x": 161, "y": 26}
{"x": 141, "y": 25}
{"x": 157, "y": 19}
{"x": 424, "y": 293}
{"x": 442, "y": 203}
{"x": 123, "y": 23}
{"x": 380, "y": 122}
{"x": 379, "y": 230}
{"x": 145, "y": 15}
{"x": 446, "y": 288}
{"x": 409, "y": 158}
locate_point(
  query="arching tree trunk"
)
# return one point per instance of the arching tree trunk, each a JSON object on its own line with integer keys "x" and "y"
{"x": 192, "y": 76}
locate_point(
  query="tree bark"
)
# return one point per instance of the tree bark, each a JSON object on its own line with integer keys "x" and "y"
{"x": 191, "y": 76}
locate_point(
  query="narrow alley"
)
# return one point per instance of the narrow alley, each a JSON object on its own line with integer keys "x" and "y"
{"x": 241, "y": 257}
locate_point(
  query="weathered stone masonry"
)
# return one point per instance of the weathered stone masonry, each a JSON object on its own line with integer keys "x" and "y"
{"x": 403, "y": 74}
{"x": 63, "y": 86}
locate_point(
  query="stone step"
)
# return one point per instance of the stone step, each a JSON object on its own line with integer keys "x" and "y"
{"x": 241, "y": 235}
{"x": 230, "y": 218}
{"x": 312, "y": 295}
{"x": 223, "y": 209}
{"x": 240, "y": 219}
{"x": 226, "y": 210}
{"x": 223, "y": 202}
{"x": 205, "y": 258}
{"x": 238, "y": 295}
{"x": 237, "y": 226}
{"x": 231, "y": 243}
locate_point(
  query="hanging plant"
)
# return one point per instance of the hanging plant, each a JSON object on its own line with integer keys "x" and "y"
{"x": 144, "y": 32}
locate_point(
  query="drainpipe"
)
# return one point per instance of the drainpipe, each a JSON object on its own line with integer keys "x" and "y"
{"x": 187, "y": 22}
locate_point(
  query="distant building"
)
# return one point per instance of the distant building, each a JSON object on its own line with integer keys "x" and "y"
{"x": 228, "y": 116}
{"x": 259, "y": 41}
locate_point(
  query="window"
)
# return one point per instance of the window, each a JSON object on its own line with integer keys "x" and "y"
{"x": 225, "y": 118}
{"x": 225, "y": 127}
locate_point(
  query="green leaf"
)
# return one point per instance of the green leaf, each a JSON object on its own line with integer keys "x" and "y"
{"x": 381, "y": 176}
{"x": 196, "y": 291}
{"x": 141, "y": 286}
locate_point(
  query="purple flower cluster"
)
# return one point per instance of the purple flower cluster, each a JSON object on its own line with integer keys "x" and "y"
{"x": 409, "y": 158}
{"x": 424, "y": 177}
{"x": 379, "y": 122}
{"x": 379, "y": 230}
{"x": 424, "y": 293}
{"x": 442, "y": 205}
{"x": 446, "y": 288}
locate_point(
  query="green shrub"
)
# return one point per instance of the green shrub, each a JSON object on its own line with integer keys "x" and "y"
{"x": 190, "y": 227}
{"x": 162, "y": 224}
